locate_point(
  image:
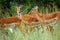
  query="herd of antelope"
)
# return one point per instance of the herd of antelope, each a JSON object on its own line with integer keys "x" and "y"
{"x": 33, "y": 17}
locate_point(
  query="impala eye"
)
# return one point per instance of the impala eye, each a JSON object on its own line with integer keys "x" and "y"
{"x": 19, "y": 12}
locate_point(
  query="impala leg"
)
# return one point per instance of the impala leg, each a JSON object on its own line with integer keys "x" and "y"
{"x": 20, "y": 27}
{"x": 50, "y": 28}
{"x": 26, "y": 27}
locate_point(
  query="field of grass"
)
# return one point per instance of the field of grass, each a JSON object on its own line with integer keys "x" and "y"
{"x": 41, "y": 34}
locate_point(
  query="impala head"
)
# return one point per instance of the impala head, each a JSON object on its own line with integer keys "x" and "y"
{"x": 19, "y": 13}
{"x": 34, "y": 10}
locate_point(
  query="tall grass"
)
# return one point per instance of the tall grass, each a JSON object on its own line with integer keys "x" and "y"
{"x": 41, "y": 34}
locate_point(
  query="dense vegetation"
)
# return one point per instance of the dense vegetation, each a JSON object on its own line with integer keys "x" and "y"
{"x": 7, "y": 7}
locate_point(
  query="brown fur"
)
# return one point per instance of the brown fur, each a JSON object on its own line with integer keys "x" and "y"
{"x": 32, "y": 18}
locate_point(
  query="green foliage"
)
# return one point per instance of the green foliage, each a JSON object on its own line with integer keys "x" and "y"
{"x": 10, "y": 34}
{"x": 26, "y": 8}
{"x": 51, "y": 5}
{"x": 13, "y": 10}
{"x": 58, "y": 3}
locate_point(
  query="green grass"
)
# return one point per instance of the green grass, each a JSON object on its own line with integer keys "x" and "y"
{"x": 16, "y": 34}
